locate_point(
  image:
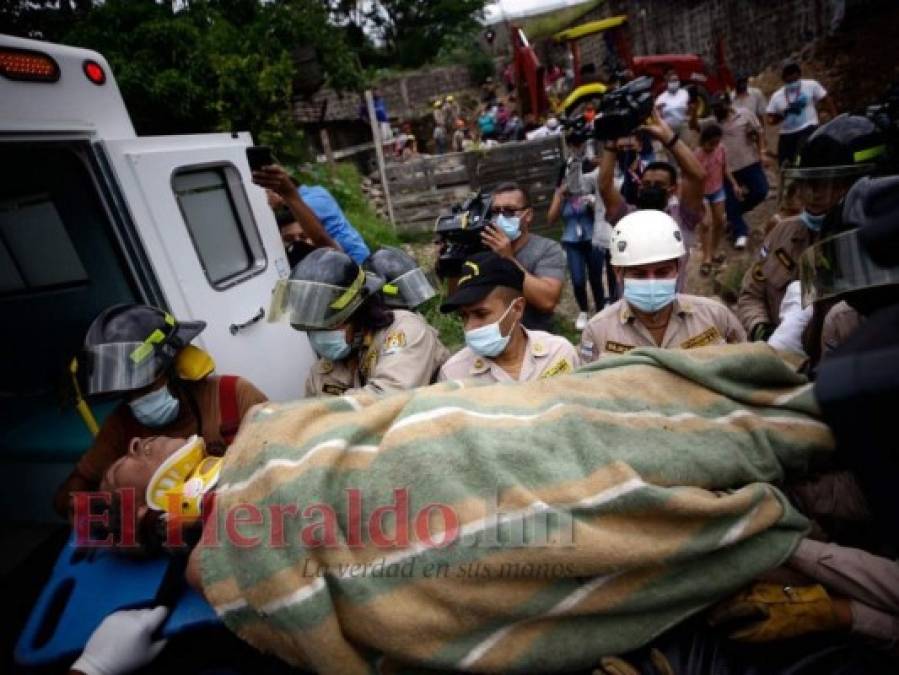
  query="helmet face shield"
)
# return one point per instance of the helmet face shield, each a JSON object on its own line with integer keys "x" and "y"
{"x": 119, "y": 366}
{"x": 839, "y": 265}
{"x": 408, "y": 290}
{"x": 313, "y": 305}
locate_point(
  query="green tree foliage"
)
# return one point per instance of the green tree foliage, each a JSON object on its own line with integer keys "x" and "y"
{"x": 406, "y": 33}
{"x": 205, "y": 65}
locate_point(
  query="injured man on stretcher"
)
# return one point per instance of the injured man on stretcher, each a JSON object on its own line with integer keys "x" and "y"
{"x": 535, "y": 527}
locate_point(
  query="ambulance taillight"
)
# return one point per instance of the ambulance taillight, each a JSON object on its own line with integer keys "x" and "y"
{"x": 28, "y": 65}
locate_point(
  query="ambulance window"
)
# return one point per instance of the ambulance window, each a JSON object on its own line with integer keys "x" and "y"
{"x": 221, "y": 223}
{"x": 36, "y": 252}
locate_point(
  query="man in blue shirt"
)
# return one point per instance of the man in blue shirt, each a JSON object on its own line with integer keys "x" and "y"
{"x": 328, "y": 211}
{"x": 317, "y": 214}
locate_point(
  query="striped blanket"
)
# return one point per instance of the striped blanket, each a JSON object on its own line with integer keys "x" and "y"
{"x": 529, "y": 527}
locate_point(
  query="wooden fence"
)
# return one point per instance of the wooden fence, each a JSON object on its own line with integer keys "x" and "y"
{"x": 422, "y": 189}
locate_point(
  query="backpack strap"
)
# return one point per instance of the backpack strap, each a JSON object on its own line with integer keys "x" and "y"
{"x": 228, "y": 409}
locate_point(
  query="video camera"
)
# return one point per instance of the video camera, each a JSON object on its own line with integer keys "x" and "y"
{"x": 460, "y": 233}
{"x": 624, "y": 109}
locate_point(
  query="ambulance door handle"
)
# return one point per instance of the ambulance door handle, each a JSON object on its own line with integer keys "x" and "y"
{"x": 235, "y": 328}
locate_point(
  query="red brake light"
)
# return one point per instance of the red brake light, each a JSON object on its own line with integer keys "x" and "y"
{"x": 94, "y": 72}
{"x": 27, "y": 65}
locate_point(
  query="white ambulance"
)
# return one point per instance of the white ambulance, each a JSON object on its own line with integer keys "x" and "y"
{"x": 92, "y": 215}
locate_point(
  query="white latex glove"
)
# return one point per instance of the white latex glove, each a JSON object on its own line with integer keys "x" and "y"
{"x": 122, "y": 642}
{"x": 793, "y": 320}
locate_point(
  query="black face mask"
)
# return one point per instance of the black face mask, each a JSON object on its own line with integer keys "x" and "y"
{"x": 297, "y": 251}
{"x": 720, "y": 114}
{"x": 741, "y": 88}
{"x": 652, "y": 197}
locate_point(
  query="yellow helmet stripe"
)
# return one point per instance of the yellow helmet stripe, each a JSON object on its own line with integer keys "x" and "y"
{"x": 350, "y": 292}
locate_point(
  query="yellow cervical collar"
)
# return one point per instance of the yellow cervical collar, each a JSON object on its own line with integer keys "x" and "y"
{"x": 188, "y": 474}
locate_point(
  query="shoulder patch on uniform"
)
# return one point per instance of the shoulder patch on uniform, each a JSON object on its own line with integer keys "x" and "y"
{"x": 617, "y": 347}
{"x": 325, "y": 366}
{"x": 539, "y": 349}
{"x": 709, "y": 336}
{"x": 784, "y": 258}
{"x": 587, "y": 349}
{"x": 394, "y": 342}
{"x": 560, "y": 367}
{"x": 333, "y": 389}
{"x": 757, "y": 272}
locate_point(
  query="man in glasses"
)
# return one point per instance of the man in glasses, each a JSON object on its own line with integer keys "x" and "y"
{"x": 541, "y": 259}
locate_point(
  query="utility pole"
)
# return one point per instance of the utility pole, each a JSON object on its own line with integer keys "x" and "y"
{"x": 379, "y": 153}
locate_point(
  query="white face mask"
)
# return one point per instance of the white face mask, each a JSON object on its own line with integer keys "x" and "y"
{"x": 488, "y": 341}
{"x": 155, "y": 409}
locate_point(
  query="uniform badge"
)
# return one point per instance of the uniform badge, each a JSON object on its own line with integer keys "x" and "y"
{"x": 560, "y": 367}
{"x": 539, "y": 349}
{"x": 394, "y": 342}
{"x": 478, "y": 365}
{"x": 617, "y": 347}
{"x": 325, "y": 366}
{"x": 710, "y": 336}
{"x": 785, "y": 259}
{"x": 757, "y": 273}
{"x": 369, "y": 362}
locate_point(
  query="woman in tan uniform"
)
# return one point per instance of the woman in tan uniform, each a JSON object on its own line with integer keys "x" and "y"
{"x": 362, "y": 345}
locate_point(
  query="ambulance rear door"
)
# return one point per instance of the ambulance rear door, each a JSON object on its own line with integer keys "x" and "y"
{"x": 215, "y": 248}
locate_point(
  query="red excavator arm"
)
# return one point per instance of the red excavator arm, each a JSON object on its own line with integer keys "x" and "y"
{"x": 528, "y": 74}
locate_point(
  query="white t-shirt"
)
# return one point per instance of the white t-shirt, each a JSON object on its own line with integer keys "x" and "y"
{"x": 796, "y": 105}
{"x": 673, "y": 106}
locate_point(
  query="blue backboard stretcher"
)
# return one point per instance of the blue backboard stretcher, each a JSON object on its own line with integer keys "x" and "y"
{"x": 87, "y": 585}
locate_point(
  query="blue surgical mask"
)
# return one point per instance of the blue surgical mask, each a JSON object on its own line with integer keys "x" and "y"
{"x": 811, "y": 221}
{"x": 511, "y": 225}
{"x": 650, "y": 295}
{"x": 330, "y": 344}
{"x": 155, "y": 409}
{"x": 488, "y": 341}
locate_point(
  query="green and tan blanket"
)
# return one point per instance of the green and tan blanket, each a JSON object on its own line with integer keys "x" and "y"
{"x": 585, "y": 514}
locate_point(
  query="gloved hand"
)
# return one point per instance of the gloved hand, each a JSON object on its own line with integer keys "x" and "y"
{"x": 122, "y": 642}
{"x": 761, "y": 332}
{"x": 766, "y": 611}
{"x": 613, "y": 665}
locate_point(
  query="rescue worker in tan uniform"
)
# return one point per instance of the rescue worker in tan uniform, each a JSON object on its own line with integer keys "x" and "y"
{"x": 362, "y": 344}
{"x": 646, "y": 250}
{"x": 489, "y": 299}
{"x": 833, "y": 158}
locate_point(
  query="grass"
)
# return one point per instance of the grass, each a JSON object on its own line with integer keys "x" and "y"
{"x": 345, "y": 183}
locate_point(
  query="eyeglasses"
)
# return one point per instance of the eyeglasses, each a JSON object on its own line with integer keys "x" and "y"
{"x": 508, "y": 211}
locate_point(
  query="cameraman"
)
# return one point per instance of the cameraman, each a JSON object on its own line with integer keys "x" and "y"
{"x": 541, "y": 259}
{"x": 658, "y": 185}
